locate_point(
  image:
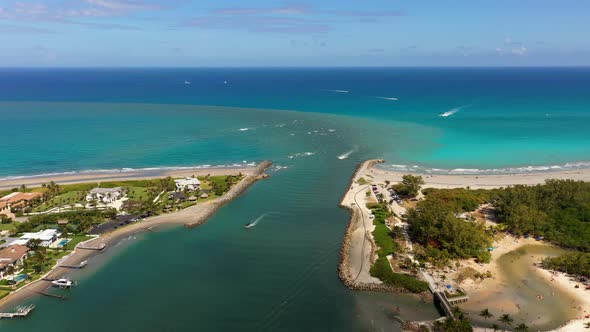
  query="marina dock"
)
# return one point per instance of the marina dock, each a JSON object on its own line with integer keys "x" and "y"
{"x": 21, "y": 311}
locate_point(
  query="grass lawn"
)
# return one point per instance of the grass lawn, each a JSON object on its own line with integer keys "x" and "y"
{"x": 138, "y": 193}
{"x": 69, "y": 197}
{"x": 3, "y": 293}
{"x": 7, "y": 227}
{"x": 362, "y": 181}
{"x": 384, "y": 238}
{"x": 75, "y": 240}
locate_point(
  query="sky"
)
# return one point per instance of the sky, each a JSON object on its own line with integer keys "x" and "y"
{"x": 219, "y": 33}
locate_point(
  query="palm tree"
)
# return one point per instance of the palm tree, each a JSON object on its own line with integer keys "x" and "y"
{"x": 522, "y": 327}
{"x": 496, "y": 327}
{"x": 485, "y": 313}
{"x": 506, "y": 319}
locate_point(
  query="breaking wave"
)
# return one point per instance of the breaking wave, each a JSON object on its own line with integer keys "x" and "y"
{"x": 488, "y": 171}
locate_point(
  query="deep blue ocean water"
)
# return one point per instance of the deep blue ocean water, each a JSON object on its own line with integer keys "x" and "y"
{"x": 504, "y": 116}
{"x": 281, "y": 276}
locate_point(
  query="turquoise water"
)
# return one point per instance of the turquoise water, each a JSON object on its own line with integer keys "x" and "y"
{"x": 281, "y": 274}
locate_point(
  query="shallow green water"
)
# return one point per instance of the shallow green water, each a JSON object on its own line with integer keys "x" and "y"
{"x": 517, "y": 295}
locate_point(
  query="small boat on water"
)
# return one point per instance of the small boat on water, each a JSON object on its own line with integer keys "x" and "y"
{"x": 62, "y": 283}
{"x": 248, "y": 225}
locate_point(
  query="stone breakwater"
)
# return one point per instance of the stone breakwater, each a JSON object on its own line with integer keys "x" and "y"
{"x": 355, "y": 219}
{"x": 210, "y": 209}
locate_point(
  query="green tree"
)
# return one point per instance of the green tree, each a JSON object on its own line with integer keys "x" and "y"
{"x": 522, "y": 327}
{"x": 506, "y": 319}
{"x": 410, "y": 185}
{"x": 486, "y": 314}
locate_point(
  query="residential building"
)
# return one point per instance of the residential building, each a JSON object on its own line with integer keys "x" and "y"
{"x": 14, "y": 256}
{"x": 46, "y": 237}
{"x": 104, "y": 195}
{"x": 18, "y": 199}
{"x": 188, "y": 183}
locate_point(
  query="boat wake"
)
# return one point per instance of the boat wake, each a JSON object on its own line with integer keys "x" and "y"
{"x": 388, "y": 98}
{"x": 346, "y": 154}
{"x": 301, "y": 154}
{"x": 452, "y": 111}
{"x": 337, "y": 91}
{"x": 255, "y": 222}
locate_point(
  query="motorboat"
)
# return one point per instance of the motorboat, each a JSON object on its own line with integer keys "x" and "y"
{"x": 62, "y": 283}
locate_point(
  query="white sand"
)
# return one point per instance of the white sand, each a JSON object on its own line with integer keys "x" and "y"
{"x": 481, "y": 181}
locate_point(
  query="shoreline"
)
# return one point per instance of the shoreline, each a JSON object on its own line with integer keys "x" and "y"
{"x": 486, "y": 181}
{"x": 358, "y": 237}
{"x": 121, "y": 175}
{"x": 190, "y": 217}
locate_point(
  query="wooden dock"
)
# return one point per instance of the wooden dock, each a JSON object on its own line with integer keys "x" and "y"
{"x": 21, "y": 311}
{"x": 96, "y": 247}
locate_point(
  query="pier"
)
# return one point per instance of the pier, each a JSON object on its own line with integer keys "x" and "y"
{"x": 21, "y": 311}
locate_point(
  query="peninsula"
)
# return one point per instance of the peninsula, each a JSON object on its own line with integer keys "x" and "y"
{"x": 457, "y": 236}
{"x": 58, "y": 223}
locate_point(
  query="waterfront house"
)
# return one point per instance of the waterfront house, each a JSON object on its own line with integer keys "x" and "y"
{"x": 46, "y": 237}
{"x": 18, "y": 200}
{"x": 12, "y": 256}
{"x": 104, "y": 195}
{"x": 190, "y": 184}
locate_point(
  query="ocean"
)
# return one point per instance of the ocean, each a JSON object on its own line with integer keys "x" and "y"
{"x": 316, "y": 124}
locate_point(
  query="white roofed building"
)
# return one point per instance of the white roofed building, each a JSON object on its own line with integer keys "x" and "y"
{"x": 46, "y": 237}
{"x": 190, "y": 184}
{"x": 104, "y": 195}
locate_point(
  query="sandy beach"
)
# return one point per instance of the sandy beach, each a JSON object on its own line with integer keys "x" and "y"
{"x": 120, "y": 175}
{"x": 189, "y": 217}
{"x": 481, "y": 181}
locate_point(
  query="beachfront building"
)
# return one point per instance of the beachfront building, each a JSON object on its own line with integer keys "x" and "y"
{"x": 18, "y": 200}
{"x": 104, "y": 195}
{"x": 46, "y": 237}
{"x": 190, "y": 184}
{"x": 12, "y": 257}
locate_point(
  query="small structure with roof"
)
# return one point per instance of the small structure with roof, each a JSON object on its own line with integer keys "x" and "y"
{"x": 104, "y": 195}
{"x": 12, "y": 256}
{"x": 188, "y": 183}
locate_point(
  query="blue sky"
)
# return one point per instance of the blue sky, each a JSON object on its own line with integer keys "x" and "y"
{"x": 304, "y": 33}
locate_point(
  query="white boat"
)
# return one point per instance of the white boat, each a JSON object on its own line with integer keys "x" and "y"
{"x": 62, "y": 283}
{"x": 187, "y": 82}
